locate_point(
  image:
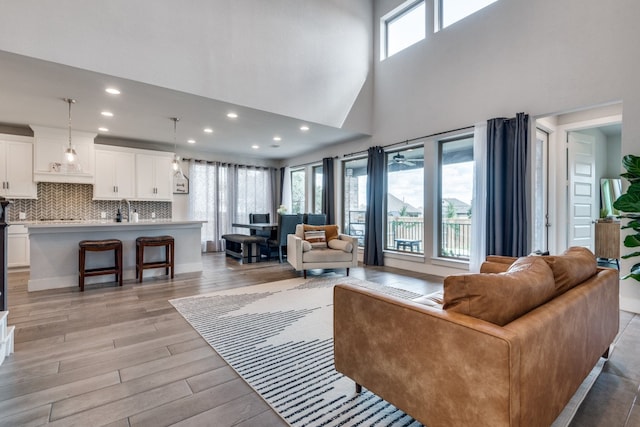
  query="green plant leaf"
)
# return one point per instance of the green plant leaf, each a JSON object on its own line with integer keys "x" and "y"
{"x": 631, "y": 255}
{"x": 630, "y": 177}
{"x": 632, "y": 164}
{"x": 634, "y": 276}
{"x": 628, "y": 203}
{"x": 632, "y": 241}
{"x": 635, "y": 225}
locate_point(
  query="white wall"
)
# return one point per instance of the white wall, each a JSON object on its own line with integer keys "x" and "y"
{"x": 306, "y": 59}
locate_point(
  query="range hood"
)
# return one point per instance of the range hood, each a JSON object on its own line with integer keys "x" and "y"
{"x": 49, "y": 145}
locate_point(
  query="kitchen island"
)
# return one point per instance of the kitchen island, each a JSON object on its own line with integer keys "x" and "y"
{"x": 54, "y": 249}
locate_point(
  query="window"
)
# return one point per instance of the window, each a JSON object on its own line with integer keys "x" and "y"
{"x": 540, "y": 192}
{"x": 405, "y": 200}
{"x": 455, "y": 193}
{"x": 403, "y": 27}
{"x": 355, "y": 198}
{"x": 297, "y": 191}
{"x": 450, "y": 11}
{"x": 317, "y": 189}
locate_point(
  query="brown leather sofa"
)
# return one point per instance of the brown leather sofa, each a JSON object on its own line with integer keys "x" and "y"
{"x": 504, "y": 349}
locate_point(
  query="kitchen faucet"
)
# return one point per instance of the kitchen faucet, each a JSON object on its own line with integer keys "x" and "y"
{"x": 128, "y": 209}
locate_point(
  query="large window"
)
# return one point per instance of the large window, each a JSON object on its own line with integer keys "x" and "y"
{"x": 317, "y": 189}
{"x": 450, "y": 11}
{"x": 297, "y": 191}
{"x": 403, "y": 27}
{"x": 455, "y": 193}
{"x": 355, "y": 198}
{"x": 405, "y": 200}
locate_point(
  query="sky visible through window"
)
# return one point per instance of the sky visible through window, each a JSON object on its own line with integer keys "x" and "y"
{"x": 455, "y": 10}
{"x": 406, "y": 30}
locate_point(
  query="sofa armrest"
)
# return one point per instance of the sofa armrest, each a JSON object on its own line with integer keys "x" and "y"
{"x": 294, "y": 251}
{"x": 441, "y": 368}
{"x": 354, "y": 252}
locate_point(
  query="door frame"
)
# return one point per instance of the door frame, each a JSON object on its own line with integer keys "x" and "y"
{"x": 558, "y": 179}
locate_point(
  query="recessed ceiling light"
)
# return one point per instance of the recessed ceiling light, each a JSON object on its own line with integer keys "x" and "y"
{"x": 103, "y": 129}
{"x": 191, "y": 141}
{"x": 255, "y": 146}
{"x": 304, "y": 128}
{"x": 208, "y": 130}
{"x": 107, "y": 113}
{"x": 232, "y": 115}
{"x": 277, "y": 138}
{"x": 112, "y": 91}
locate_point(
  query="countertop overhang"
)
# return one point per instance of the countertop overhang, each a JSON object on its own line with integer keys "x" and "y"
{"x": 97, "y": 225}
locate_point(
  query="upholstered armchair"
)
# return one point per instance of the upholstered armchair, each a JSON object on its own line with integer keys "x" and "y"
{"x": 340, "y": 251}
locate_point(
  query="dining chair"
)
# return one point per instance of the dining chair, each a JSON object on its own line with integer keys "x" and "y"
{"x": 316, "y": 219}
{"x": 262, "y": 218}
{"x": 286, "y": 225}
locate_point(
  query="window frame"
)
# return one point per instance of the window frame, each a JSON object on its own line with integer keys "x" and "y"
{"x": 438, "y": 14}
{"x": 438, "y": 205}
{"x": 386, "y": 244}
{"x": 314, "y": 187}
{"x": 399, "y": 12}
{"x": 346, "y": 221}
{"x": 303, "y": 171}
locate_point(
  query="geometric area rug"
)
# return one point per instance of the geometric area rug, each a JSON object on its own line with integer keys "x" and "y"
{"x": 278, "y": 337}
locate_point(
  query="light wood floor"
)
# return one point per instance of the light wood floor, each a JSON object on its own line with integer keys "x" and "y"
{"x": 125, "y": 357}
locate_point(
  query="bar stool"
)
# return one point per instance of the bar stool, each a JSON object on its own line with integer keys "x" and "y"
{"x": 99, "y": 246}
{"x": 143, "y": 242}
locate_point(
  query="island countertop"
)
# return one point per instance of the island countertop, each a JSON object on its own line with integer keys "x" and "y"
{"x": 104, "y": 225}
{"x": 54, "y": 249}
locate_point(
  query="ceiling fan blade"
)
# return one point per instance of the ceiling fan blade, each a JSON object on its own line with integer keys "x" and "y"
{"x": 409, "y": 163}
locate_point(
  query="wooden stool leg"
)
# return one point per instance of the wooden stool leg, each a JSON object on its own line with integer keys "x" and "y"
{"x": 119, "y": 264}
{"x": 166, "y": 257}
{"x": 141, "y": 262}
{"x": 81, "y": 269}
{"x": 173, "y": 266}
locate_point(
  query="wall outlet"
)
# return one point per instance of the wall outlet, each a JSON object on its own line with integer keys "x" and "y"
{"x": 153, "y": 215}
{"x": 22, "y": 215}
{"x": 103, "y": 215}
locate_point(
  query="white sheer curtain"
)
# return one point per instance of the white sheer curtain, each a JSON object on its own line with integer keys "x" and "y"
{"x": 479, "y": 202}
{"x": 222, "y": 194}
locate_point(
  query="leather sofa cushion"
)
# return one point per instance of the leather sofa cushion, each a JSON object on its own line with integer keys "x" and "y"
{"x": 503, "y": 297}
{"x": 326, "y": 255}
{"x": 330, "y": 231}
{"x": 496, "y": 264}
{"x": 574, "y": 266}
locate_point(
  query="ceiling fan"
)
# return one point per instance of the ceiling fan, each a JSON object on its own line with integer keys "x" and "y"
{"x": 400, "y": 159}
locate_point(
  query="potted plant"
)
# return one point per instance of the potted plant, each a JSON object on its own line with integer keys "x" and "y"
{"x": 629, "y": 206}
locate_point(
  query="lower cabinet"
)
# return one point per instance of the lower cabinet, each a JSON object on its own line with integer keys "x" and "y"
{"x": 17, "y": 246}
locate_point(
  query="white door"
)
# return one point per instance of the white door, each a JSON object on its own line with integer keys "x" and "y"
{"x": 582, "y": 191}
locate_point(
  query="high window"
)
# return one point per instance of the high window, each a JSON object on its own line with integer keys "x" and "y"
{"x": 317, "y": 189}
{"x": 405, "y": 200}
{"x": 297, "y": 191}
{"x": 450, "y": 11}
{"x": 355, "y": 198}
{"x": 403, "y": 27}
{"x": 455, "y": 193}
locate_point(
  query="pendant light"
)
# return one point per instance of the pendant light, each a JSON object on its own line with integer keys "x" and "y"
{"x": 70, "y": 155}
{"x": 175, "y": 163}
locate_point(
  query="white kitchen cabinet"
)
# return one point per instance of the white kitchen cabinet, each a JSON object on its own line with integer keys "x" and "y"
{"x": 17, "y": 246}
{"x": 16, "y": 167}
{"x": 154, "y": 177}
{"x": 114, "y": 175}
{"x": 48, "y": 160}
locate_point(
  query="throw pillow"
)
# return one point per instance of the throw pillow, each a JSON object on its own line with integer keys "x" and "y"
{"x": 502, "y": 297}
{"x": 574, "y": 266}
{"x": 343, "y": 245}
{"x": 306, "y": 246}
{"x": 316, "y": 238}
{"x": 331, "y": 231}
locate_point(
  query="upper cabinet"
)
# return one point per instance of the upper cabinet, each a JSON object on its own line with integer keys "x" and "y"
{"x": 114, "y": 176}
{"x": 16, "y": 167}
{"x": 154, "y": 176}
{"x": 48, "y": 160}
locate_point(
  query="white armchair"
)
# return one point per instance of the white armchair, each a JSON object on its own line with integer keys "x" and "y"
{"x": 302, "y": 258}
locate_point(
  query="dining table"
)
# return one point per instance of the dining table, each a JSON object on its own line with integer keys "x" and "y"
{"x": 262, "y": 226}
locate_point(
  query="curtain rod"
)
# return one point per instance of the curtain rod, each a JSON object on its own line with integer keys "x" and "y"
{"x": 310, "y": 163}
{"x": 407, "y": 141}
{"x": 210, "y": 162}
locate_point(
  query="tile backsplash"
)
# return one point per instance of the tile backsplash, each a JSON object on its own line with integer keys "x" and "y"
{"x": 74, "y": 201}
